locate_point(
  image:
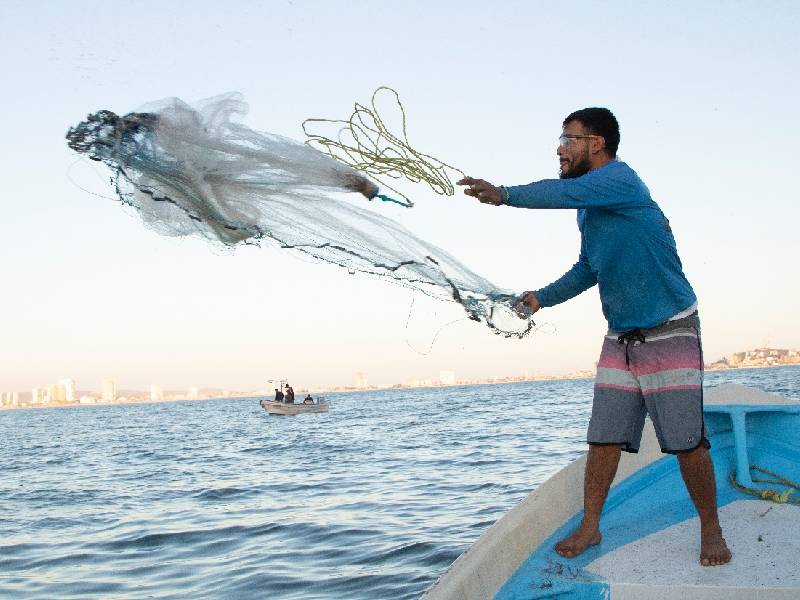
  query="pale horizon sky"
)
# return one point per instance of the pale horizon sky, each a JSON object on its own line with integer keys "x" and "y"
{"x": 707, "y": 99}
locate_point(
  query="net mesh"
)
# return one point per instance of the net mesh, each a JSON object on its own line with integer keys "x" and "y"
{"x": 193, "y": 170}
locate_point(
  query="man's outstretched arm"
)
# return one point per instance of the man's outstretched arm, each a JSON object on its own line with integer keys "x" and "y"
{"x": 613, "y": 186}
{"x": 575, "y": 281}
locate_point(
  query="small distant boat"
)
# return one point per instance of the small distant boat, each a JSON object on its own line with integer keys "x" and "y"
{"x": 274, "y": 407}
{"x": 650, "y": 546}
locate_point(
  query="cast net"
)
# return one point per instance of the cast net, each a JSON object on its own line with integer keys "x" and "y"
{"x": 193, "y": 170}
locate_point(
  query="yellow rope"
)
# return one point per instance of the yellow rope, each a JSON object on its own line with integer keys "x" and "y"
{"x": 365, "y": 143}
{"x": 769, "y": 494}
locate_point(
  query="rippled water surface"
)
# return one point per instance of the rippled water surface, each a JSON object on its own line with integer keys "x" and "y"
{"x": 216, "y": 499}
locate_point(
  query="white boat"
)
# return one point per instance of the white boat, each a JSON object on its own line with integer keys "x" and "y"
{"x": 275, "y": 407}
{"x": 650, "y": 548}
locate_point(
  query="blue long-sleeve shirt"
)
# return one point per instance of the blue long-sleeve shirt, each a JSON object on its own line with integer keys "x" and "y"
{"x": 627, "y": 246}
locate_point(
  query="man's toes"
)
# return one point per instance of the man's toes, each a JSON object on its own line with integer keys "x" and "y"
{"x": 716, "y": 559}
{"x": 566, "y": 551}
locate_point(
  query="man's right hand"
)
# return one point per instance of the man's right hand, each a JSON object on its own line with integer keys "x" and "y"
{"x": 482, "y": 190}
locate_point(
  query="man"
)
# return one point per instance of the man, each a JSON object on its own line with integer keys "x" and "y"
{"x": 651, "y": 360}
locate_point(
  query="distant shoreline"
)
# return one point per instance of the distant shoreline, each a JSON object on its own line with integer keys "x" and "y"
{"x": 336, "y": 390}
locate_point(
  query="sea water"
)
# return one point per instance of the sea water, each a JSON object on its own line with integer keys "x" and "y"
{"x": 217, "y": 499}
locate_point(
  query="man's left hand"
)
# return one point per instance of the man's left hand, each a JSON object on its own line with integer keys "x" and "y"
{"x": 531, "y": 300}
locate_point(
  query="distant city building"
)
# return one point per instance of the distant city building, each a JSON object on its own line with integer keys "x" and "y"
{"x": 109, "y": 390}
{"x": 51, "y": 393}
{"x": 156, "y": 393}
{"x": 361, "y": 381}
{"x": 37, "y": 396}
{"x": 447, "y": 377}
{"x": 70, "y": 395}
{"x": 193, "y": 394}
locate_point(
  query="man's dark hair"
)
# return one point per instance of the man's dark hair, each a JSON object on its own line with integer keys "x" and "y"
{"x": 599, "y": 121}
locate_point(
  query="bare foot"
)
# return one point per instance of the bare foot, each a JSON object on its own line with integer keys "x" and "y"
{"x": 578, "y": 541}
{"x": 713, "y": 549}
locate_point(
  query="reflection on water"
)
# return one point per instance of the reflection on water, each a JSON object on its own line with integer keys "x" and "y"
{"x": 216, "y": 499}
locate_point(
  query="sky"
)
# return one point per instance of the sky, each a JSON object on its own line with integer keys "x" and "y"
{"x": 707, "y": 99}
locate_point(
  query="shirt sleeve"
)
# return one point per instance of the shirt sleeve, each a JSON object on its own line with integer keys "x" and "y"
{"x": 578, "y": 279}
{"x": 612, "y": 186}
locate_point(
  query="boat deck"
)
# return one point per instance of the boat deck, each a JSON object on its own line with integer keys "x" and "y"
{"x": 764, "y": 538}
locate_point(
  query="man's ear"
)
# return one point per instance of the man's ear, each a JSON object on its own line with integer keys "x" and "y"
{"x": 597, "y": 144}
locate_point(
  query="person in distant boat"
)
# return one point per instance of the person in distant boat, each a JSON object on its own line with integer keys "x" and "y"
{"x": 308, "y": 400}
{"x": 278, "y": 395}
{"x": 651, "y": 360}
{"x": 289, "y": 394}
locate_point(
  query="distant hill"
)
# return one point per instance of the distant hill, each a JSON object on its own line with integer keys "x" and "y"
{"x": 759, "y": 357}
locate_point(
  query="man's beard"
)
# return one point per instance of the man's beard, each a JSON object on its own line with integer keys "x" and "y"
{"x": 580, "y": 168}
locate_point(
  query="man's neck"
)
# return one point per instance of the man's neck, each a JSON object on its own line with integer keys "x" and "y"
{"x": 600, "y": 161}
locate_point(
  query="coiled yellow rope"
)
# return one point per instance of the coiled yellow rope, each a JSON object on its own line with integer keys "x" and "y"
{"x": 365, "y": 143}
{"x": 769, "y": 494}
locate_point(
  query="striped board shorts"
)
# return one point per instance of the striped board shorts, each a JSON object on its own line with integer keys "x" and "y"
{"x": 656, "y": 372}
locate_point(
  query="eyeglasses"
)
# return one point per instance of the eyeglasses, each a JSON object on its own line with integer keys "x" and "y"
{"x": 565, "y": 139}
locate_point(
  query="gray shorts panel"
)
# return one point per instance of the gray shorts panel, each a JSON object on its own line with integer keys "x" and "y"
{"x": 617, "y": 418}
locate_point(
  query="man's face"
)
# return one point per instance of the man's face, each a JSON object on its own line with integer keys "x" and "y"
{"x": 573, "y": 152}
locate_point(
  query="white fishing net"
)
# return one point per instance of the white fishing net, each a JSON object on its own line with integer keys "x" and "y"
{"x": 192, "y": 170}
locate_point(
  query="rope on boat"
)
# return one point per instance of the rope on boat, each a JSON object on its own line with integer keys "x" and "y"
{"x": 770, "y": 493}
